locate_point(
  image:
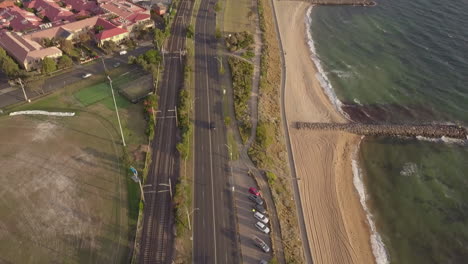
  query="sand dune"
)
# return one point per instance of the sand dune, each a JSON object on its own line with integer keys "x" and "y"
{"x": 336, "y": 223}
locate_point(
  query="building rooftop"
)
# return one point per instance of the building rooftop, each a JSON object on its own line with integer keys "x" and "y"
{"x": 18, "y": 19}
{"x": 50, "y": 9}
{"x": 109, "y": 33}
{"x": 23, "y": 49}
{"x": 83, "y": 5}
{"x": 123, "y": 9}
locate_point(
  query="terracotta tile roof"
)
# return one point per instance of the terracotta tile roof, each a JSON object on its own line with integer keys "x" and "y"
{"x": 18, "y": 19}
{"x": 23, "y": 49}
{"x": 56, "y": 31}
{"x": 138, "y": 17}
{"x": 50, "y": 9}
{"x": 121, "y": 8}
{"x": 80, "y": 5}
{"x": 6, "y": 3}
{"x": 105, "y": 34}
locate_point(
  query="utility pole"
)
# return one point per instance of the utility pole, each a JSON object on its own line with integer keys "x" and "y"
{"x": 24, "y": 92}
{"x": 168, "y": 185}
{"x": 176, "y": 119}
{"x": 220, "y": 60}
{"x": 116, "y": 110}
{"x": 230, "y": 150}
{"x": 188, "y": 216}
{"x": 157, "y": 80}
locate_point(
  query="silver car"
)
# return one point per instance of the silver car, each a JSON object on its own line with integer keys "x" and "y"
{"x": 261, "y": 244}
{"x": 262, "y": 227}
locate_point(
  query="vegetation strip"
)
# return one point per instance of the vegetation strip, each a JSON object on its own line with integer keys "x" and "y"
{"x": 242, "y": 72}
{"x": 268, "y": 151}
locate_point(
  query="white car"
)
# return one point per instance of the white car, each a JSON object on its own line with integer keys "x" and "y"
{"x": 261, "y": 217}
{"x": 123, "y": 52}
{"x": 86, "y": 75}
{"x": 262, "y": 227}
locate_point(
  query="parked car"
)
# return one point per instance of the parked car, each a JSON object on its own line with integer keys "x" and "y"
{"x": 117, "y": 64}
{"x": 261, "y": 244}
{"x": 123, "y": 52}
{"x": 263, "y": 261}
{"x": 254, "y": 190}
{"x": 260, "y": 208}
{"x": 261, "y": 217}
{"x": 262, "y": 227}
{"x": 256, "y": 199}
{"x": 86, "y": 75}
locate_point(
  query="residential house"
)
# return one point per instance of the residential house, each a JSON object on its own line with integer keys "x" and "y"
{"x": 71, "y": 31}
{"x": 82, "y": 5}
{"x": 51, "y": 10}
{"x": 127, "y": 14}
{"x": 27, "y": 53}
{"x": 18, "y": 19}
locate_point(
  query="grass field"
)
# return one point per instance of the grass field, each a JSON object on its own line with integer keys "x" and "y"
{"x": 63, "y": 194}
{"x": 235, "y": 11}
{"x": 93, "y": 218}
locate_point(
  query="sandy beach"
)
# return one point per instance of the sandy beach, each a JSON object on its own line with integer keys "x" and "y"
{"x": 336, "y": 223}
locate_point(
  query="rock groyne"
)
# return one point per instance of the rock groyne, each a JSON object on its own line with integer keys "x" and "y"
{"x": 339, "y": 2}
{"x": 429, "y": 130}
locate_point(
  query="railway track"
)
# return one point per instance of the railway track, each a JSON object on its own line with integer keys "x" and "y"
{"x": 157, "y": 241}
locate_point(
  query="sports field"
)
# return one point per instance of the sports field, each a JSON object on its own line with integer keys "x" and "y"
{"x": 63, "y": 196}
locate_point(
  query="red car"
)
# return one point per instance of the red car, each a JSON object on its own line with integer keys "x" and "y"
{"x": 253, "y": 190}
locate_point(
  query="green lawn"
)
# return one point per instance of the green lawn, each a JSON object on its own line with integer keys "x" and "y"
{"x": 93, "y": 94}
{"x": 236, "y": 16}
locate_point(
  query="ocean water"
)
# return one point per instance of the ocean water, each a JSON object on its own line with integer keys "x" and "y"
{"x": 403, "y": 61}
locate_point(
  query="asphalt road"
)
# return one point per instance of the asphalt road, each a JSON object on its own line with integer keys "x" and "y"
{"x": 12, "y": 95}
{"x": 157, "y": 237}
{"x": 214, "y": 234}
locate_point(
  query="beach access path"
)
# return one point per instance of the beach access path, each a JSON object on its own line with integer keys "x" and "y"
{"x": 336, "y": 224}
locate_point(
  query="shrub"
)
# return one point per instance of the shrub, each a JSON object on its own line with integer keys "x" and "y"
{"x": 242, "y": 72}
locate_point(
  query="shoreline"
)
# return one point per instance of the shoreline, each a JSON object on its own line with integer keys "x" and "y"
{"x": 337, "y": 228}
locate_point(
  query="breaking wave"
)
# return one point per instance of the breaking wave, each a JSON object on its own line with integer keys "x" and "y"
{"x": 321, "y": 75}
{"x": 378, "y": 247}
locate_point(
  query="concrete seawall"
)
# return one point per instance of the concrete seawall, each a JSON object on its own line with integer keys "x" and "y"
{"x": 339, "y": 2}
{"x": 429, "y": 131}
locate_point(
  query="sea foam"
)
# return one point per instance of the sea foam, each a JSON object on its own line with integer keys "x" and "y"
{"x": 378, "y": 247}
{"x": 321, "y": 75}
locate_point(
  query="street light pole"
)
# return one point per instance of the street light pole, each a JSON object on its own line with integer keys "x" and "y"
{"x": 24, "y": 92}
{"x": 230, "y": 150}
{"x": 116, "y": 110}
{"x": 188, "y": 216}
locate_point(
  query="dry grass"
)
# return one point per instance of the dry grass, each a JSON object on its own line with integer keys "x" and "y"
{"x": 269, "y": 150}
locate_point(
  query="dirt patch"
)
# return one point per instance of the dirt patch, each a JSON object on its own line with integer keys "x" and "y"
{"x": 62, "y": 195}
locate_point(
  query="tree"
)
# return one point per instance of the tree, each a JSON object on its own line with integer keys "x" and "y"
{"x": 98, "y": 28}
{"x": 45, "y": 19}
{"x": 66, "y": 46}
{"x": 158, "y": 37}
{"x": 49, "y": 42}
{"x": 190, "y": 31}
{"x": 65, "y": 62}
{"x": 109, "y": 46}
{"x": 9, "y": 66}
{"x": 48, "y": 65}
{"x": 84, "y": 37}
{"x": 152, "y": 56}
{"x": 217, "y": 7}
